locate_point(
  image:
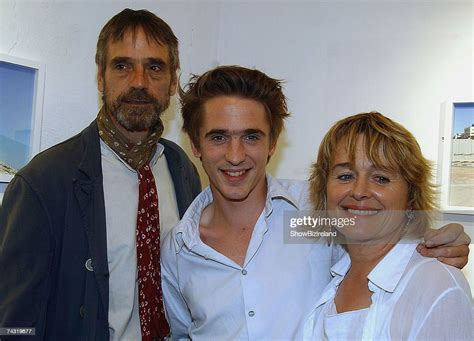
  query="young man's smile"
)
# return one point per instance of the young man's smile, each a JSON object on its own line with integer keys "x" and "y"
{"x": 234, "y": 146}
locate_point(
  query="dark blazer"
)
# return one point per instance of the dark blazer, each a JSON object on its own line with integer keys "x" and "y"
{"x": 52, "y": 222}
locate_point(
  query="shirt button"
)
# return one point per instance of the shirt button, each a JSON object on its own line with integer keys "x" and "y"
{"x": 89, "y": 265}
{"x": 82, "y": 311}
{"x": 244, "y": 272}
{"x": 251, "y": 313}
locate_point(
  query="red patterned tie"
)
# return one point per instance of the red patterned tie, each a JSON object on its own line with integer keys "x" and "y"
{"x": 150, "y": 297}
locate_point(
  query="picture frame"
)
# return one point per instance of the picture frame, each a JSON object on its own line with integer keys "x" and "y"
{"x": 21, "y": 110}
{"x": 455, "y": 171}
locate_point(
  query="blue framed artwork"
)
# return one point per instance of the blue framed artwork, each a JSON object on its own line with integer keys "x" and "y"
{"x": 21, "y": 100}
{"x": 456, "y": 161}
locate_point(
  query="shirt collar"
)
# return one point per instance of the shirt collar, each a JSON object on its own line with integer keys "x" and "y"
{"x": 342, "y": 266}
{"x": 387, "y": 274}
{"x": 187, "y": 230}
{"x": 338, "y": 271}
{"x": 276, "y": 190}
{"x": 158, "y": 153}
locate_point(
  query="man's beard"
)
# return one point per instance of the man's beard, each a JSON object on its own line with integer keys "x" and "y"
{"x": 136, "y": 117}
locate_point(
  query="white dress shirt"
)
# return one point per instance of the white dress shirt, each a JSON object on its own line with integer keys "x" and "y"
{"x": 414, "y": 298}
{"x": 210, "y": 297}
{"x": 121, "y": 202}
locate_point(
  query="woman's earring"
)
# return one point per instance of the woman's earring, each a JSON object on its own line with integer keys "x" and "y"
{"x": 410, "y": 215}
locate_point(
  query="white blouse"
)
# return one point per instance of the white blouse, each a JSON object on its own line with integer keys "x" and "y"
{"x": 343, "y": 326}
{"x": 414, "y": 298}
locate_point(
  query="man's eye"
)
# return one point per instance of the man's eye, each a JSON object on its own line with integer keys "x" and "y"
{"x": 218, "y": 138}
{"x": 121, "y": 66}
{"x": 155, "y": 68}
{"x": 252, "y": 137}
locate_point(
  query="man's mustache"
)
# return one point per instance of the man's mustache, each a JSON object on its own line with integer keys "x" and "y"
{"x": 137, "y": 95}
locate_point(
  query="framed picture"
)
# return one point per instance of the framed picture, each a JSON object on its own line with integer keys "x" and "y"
{"x": 456, "y": 157}
{"x": 21, "y": 108}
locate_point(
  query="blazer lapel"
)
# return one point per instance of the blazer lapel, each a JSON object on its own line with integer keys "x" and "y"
{"x": 89, "y": 192}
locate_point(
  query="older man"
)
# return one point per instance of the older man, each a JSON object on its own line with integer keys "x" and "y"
{"x": 78, "y": 260}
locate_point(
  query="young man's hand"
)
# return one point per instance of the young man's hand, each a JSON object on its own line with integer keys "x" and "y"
{"x": 449, "y": 244}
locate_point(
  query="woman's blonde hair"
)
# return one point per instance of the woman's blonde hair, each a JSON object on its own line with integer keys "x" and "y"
{"x": 389, "y": 146}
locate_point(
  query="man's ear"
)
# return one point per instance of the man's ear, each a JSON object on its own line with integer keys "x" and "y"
{"x": 272, "y": 148}
{"x": 195, "y": 149}
{"x": 100, "y": 79}
{"x": 273, "y": 145}
{"x": 174, "y": 83}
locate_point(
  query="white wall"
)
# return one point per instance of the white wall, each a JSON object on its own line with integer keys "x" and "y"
{"x": 402, "y": 59}
{"x": 62, "y": 35}
{"x": 338, "y": 57}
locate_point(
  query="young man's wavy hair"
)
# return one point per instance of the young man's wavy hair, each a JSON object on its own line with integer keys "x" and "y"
{"x": 232, "y": 81}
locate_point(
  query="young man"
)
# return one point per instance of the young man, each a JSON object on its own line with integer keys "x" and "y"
{"x": 227, "y": 272}
{"x": 78, "y": 260}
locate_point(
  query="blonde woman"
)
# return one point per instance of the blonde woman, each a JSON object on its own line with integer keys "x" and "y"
{"x": 371, "y": 170}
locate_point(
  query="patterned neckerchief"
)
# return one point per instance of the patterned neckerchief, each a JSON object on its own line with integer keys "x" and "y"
{"x": 134, "y": 154}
